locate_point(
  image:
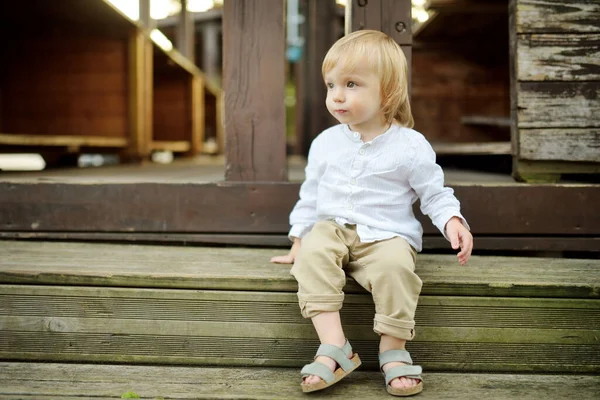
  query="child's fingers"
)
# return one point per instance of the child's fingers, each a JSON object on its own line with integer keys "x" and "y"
{"x": 466, "y": 248}
{"x": 454, "y": 242}
{"x": 287, "y": 259}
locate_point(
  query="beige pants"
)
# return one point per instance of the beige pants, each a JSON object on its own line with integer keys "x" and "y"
{"x": 385, "y": 268}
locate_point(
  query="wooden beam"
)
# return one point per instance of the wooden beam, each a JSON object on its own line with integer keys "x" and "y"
{"x": 560, "y": 144}
{"x": 145, "y": 17}
{"x": 137, "y": 93}
{"x": 558, "y": 104}
{"x": 198, "y": 114}
{"x": 392, "y": 17}
{"x": 319, "y": 38}
{"x": 556, "y": 16}
{"x": 558, "y": 57}
{"x": 185, "y": 40}
{"x": 253, "y": 79}
{"x": 61, "y": 140}
{"x": 492, "y": 209}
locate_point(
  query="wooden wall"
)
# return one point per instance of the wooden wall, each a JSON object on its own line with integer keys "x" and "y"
{"x": 172, "y": 114}
{"x": 449, "y": 86}
{"x": 555, "y": 84}
{"x": 65, "y": 85}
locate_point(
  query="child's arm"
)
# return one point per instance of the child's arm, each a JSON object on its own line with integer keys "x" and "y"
{"x": 438, "y": 202}
{"x": 304, "y": 214}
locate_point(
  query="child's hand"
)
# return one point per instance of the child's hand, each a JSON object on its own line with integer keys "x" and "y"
{"x": 290, "y": 257}
{"x": 460, "y": 237}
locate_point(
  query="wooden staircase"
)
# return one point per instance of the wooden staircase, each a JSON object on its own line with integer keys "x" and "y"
{"x": 222, "y": 322}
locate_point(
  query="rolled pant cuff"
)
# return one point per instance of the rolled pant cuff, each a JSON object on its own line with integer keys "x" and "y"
{"x": 314, "y": 304}
{"x": 384, "y": 325}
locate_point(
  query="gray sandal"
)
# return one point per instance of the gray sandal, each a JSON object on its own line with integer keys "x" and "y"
{"x": 328, "y": 378}
{"x": 407, "y": 371}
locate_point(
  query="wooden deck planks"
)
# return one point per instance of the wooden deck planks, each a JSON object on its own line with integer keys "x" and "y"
{"x": 99, "y": 324}
{"x": 217, "y": 268}
{"x": 68, "y": 381}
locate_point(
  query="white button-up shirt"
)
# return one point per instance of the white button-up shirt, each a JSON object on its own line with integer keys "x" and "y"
{"x": 373, "y": 185}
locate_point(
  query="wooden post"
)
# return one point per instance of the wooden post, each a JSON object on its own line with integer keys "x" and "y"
{"x": 392, "y": 17}
{"x": 139, "y": 84}
{"x": 198, "y": 117}
{"x": 320, "y": 36}
{"x": 145, "y": 17}
{"x": 253, "y": 79}
{"x": 210, "y": 50}
{"x": 185, "y": 33}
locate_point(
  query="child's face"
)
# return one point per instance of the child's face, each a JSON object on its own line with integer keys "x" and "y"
{"x": 355, "y": 98}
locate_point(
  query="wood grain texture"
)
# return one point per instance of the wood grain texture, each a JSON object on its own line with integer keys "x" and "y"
{"x": 246, "y": 328}
{"x": 558, "y": 57}
{"x": 135, "y": 206}
{"x": 80, "y": 90}
{"x": 172, "y": 108}
{"x": 249, "y": 269}
{"x": 557, "y": 16}
{"x": 560, "y": 144}
{"x": 47, "y": 380}
{"x": 320, "y": 37}
{"x": 253, "y": 79}
{"x": 512, "y": 243}
{"x": 558, "y": 104}
{"x": 447, "y": 86}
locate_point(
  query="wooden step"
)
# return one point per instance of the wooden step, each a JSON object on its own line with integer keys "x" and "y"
{"x": 230, "y": 306}
{"x": 72, "y": 381}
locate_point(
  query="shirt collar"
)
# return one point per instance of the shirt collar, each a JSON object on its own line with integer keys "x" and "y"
{"x": 355, "y": 136}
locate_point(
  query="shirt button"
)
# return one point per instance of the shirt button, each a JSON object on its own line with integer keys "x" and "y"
{"x": 356, "y": 134}
{"x": 362, "y": 151}
{"x": 349, "y": 206}
{"x": 353, "y": 181}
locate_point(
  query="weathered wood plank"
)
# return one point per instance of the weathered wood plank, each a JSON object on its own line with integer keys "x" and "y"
{"x": 557, "y": 16}
{"x": 249, "y": 269}
{"x": 256, "y": 328}
{"x": 253, "y": 79}
{"x": 560, "y": 144}
{"x": 554, "y": 57}
{"x": 512, "y": 243}
{"x": 264, "y": 208}
{"x": 41, "y": 380}
{"x": 260, "y": 330}
{"x": 278, "y": 352}
{"x": 61, "y": 140}
{"x": 558, "y": 104}
{"x": 76, "y": 309}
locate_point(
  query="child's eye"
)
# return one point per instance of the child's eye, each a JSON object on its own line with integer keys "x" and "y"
{"x": 351, "y": 84}
{"x": 329, "y": 85}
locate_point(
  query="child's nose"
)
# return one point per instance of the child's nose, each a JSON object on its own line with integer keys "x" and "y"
{"x": 338, "y": 95}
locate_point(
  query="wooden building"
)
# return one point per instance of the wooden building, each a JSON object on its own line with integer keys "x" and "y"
{"x": 134, "y": 271}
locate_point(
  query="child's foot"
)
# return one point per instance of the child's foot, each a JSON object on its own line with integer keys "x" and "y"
{"x": 329, "y": 362}
{"x": 402, "y": 382}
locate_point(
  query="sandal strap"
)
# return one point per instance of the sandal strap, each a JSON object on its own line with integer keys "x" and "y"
{"x": 402, "y": 356}
{"x": 407, "y": 371}
{"x": 320, "y": 370}
{"x": 340, "y": 356}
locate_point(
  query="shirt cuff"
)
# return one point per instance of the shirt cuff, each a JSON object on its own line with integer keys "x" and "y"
{"x": 443, "y": 220}
{"x": 299, "y": 231}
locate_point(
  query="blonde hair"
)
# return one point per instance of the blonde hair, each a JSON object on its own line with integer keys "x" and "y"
{"x": 387, "y": 59}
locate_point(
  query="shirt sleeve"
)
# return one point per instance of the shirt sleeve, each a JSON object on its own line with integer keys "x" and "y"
{"x": 427, "y": 180}
{"x": 304, "y": 214}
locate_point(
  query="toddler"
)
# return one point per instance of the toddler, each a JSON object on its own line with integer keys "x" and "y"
{"x": 355, "y": 213}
